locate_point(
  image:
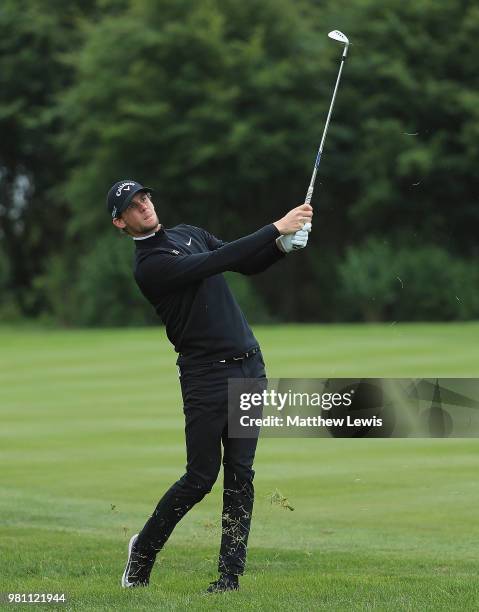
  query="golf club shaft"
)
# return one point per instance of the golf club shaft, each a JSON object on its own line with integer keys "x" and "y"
{"x": 309, "y": 194}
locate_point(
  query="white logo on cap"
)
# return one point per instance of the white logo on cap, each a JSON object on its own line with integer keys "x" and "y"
{"x": 114, "y": 212}
{"x": 125, "y": 186}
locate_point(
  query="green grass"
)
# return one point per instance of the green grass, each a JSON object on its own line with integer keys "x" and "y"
{"x": 92, "y": 419}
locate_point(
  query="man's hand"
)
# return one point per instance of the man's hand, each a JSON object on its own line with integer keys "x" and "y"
{"x": 294, "y": 242}
{"x": 295, "y": 219}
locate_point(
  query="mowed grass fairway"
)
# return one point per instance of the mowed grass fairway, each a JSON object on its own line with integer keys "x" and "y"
{"x": 92, "y": 435}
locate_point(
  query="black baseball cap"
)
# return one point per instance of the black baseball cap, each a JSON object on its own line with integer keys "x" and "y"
{"x": 120, "y": 196}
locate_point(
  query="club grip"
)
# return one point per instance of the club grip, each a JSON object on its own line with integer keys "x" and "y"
{"x": 309, "y": 195}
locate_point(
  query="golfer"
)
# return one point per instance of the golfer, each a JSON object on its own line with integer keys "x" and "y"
{"x": 179, "y": 270}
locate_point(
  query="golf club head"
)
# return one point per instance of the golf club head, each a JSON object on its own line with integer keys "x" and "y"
{"x": 339, "y": 36}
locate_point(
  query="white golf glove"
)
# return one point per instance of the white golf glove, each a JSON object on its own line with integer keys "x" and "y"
{"x": 293, "y": 242}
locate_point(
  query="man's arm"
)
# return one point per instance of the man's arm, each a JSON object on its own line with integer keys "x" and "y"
{"x": 170, "y": 270}
{"x": 260, "y": 262}
{"x": 165, "y": 270}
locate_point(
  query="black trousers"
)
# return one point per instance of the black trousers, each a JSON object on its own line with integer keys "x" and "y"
{"x": 205, "y": 397}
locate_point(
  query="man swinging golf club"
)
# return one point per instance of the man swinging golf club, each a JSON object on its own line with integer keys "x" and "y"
{"x": 179, "y": 270}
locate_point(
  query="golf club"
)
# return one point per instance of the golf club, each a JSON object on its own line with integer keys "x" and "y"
{"x": 340, "y": 37}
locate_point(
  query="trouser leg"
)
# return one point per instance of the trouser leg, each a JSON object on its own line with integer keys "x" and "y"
{"x": 204, "y": 424}
{"x": 171, "y": 508}
{"x": 238, "y": 498}
{"x": 238, "y": 493}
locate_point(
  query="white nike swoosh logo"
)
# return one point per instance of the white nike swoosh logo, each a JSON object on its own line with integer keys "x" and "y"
{"x": 125, "y": 583}
{"x": 188, "y": 243}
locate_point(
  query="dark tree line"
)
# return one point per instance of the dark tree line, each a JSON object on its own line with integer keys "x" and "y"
{"x": 220, "y": 105}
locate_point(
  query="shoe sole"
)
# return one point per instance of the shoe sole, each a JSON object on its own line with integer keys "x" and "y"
{"x": 124, "y": 580}
{"x": 221, "y": 590}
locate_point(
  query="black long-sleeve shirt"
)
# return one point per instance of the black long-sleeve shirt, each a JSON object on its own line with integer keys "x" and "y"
{"x": 179, "y": 270}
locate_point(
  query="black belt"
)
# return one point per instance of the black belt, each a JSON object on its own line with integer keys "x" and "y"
{"x": 243, "y": 356}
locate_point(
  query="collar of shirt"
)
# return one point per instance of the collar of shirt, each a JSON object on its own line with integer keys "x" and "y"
{"x": 153, "y": 240}
{"x": 143, "y": 237}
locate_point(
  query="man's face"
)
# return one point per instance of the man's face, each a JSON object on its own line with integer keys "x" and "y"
{"x": 140, "y": 217}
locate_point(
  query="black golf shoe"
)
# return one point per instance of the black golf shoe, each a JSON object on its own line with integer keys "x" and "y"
{"x": 138, "y": 567}
{"x": 226, "y": 582}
